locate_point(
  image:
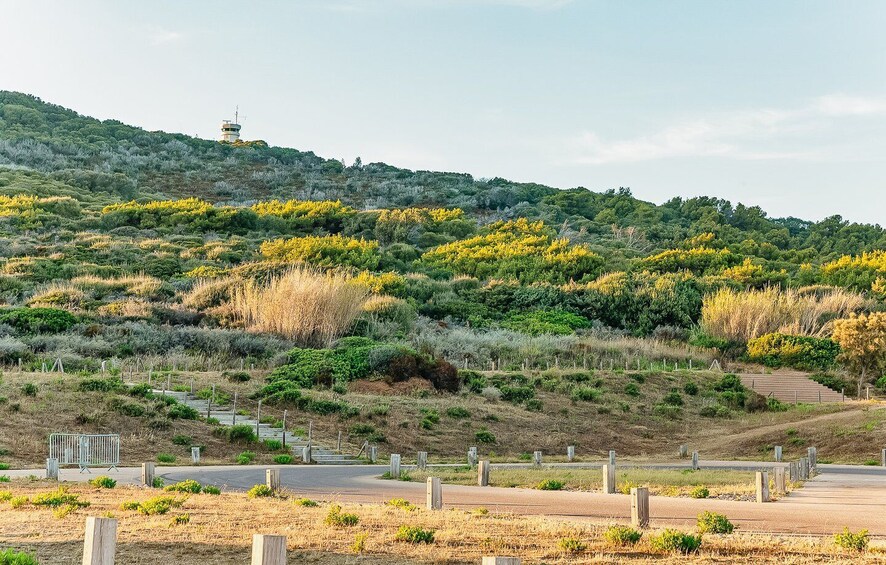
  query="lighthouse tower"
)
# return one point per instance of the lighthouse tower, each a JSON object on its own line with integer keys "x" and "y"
{"x": 231, "y": 130}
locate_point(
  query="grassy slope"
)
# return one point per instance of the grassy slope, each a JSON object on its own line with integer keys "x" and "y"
{"x": 852, "y": 432}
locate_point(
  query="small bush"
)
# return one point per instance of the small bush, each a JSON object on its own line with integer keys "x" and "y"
{"x": 585, "y": 394}
{"x": 12, "y": 557}
{"x": 673, "y": 398}
{"x": 572, "y": 545}
{"x": 58, "y": 497}
{"x": 273, "y": 444}
{"x": 283, "y": 459}
{"x": 550, "y": 484}
{"x": 713, "y": 523}
{"x": 359, "y": 545}
{"x": 852, "y": 541}
{"x": 260, "y": 491}
{"x": 484, "y": 436}
{"x": 180, "y": 520}
{"x": 690, "y": 388}
{"x": 236, "y": 376}
{"x": 4, "y": 466}
{"x": 245, "y": 458}
{"x": 209, "y": 489}
{"x": 631, "y": 389}
{"x": 700, "y": 492}
{"x": 306, "y": 502}
{"x": 183, "y": 412}
{"x": 415, "y": 534}
{"x": 240, "y": 433}
{"x": 675, "y": 541}
{"x": 158, "y": 482}
{"x": 155, "y": 506}
{"x": 17, "y": 502}
{"x": 103, "y": 482}
{"x": 622, "y": 535}
{"x": 337, "y": 519}
{"x": 29, "y": 389}
{"x": 458, "y": 412}
{"x": 189, "y": 487}
{"x": 401, "y": 503}
{"x": 183, "y": 440}
{"x": 165, "y": 458}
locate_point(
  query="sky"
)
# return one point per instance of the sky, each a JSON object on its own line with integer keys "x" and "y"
{"x": 775, "y": 103}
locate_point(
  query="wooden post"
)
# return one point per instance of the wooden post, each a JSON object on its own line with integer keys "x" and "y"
{"x": 472, "y": 456}
{"x": 500, "y": 561}
{"x": 609, "y": 479}
{"x": 306, "y": 454}
{"x": 421, "y": 461}
{"x": 778, "y": 453}
{"x": 395, "y": 466}
{"x": 272, "y": 479}
{"x": 100, "y": 543}
{"x": 794, "y": 471}
{"x": 684, "y": 451}
{"x": 435, "y": 493}
{"x": 268, "y": 550}
{"x": 612, "y": 458}
{"x": 780, "y": 485}
{"x": 148, "y": 475}
{"x": 284, "y": 426}
{"x": 762, "y": 482}
{"x": 812, "y": 454}
{"x": 883, "y": 457}
{"x": 483, "y": 473}
{"x": 373, "y": 454}
{"x": 570, "y": 453}
{"x": 258, "y": 421}
{"x": 695, "y": 461}
{"x": 52, "y": 469}
{"x": 804, "y": 468}
{"x": 234, "y": 411}
{"x": 536, "y": 458}
{"x": 195, "y": 454}
{"x": 338, "y": 445}
{"x": 640, "y": 507}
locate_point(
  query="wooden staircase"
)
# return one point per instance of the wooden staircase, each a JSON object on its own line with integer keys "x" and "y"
{"x": 790, "y": 388}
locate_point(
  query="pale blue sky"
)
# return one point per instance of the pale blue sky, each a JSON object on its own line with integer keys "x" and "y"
{"x": 775, "y": 103}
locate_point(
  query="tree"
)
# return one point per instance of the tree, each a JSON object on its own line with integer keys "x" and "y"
{"x": 863, "y": 341}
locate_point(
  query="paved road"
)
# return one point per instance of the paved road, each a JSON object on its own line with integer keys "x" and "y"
{"x": 840, "y": 496}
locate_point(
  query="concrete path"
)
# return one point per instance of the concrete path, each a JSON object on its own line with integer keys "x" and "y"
{"x": 850, "y": 496}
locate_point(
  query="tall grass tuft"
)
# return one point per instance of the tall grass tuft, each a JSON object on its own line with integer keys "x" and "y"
{"x": 310, "y": 308}
{"x": 745, "y": 315}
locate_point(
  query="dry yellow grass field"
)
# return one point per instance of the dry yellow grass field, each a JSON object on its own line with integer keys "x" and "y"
{"x": 220, "y": 528}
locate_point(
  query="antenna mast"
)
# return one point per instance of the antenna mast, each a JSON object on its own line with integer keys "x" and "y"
{"x": 237, "y": 114}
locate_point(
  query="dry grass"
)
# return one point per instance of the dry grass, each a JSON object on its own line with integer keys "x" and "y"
{"x": 308, "y": 307}
{"x": 661, "y": 482}
{"x": 221, "y": 527}
{"x": 745, "y": 315}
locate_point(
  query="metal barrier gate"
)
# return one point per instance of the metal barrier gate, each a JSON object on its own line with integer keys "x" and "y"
{"x": 85, "y": 450}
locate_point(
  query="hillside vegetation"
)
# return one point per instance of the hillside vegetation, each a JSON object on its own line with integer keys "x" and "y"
{"x": 166, "y": 252}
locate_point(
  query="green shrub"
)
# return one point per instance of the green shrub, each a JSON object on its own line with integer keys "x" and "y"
{"x": 631, "y": 389}
{"x": 585, "y": 394}
{"x": 165, "y": 458}
{"x": 700, "y": 492}
{"x": 484, "y": 436}
{"x": 833, "y": 382}
{"x": 245, "y": 458}
{"x": 180, "y": 520}
{"x": 155, "y": 506}
{"x": 273, "y": 444}
{"x": 361, "y": 429}
{"x": 183, "y": 412}
{"x": 415, "y": 534}
{"x": 17, "y": 502}
{"x": 781, "y": 350}
{"x": 158, "y": 482}
{"x": 103, "y": 482}
{"x": 236, "y": 376}
{"x": 182, "y": 440}
{"x": 557, "y": 322}
{"x": 550, "y": 484}
{"x": 100, "y": 385}
{"x": 622, "y": 535}
{"x": 57, "y": 498}
{"x": 572, "y": 545}
{"x": 673, "y": 398}
{"x": 38, "y": 320}
{"x": 12, "y": 557}
{"x": 240, "y": 433}
{"x": 209, "y": 489}
{"x": 188, "y": 486}
{"x": 690, "y": 388}
{"x": 713, "y": 523}
{"x": 458, "y": 412}
{"x": 141, "y": 390}
{"x": 337, "y": 519}
{"x": 4, "y": 466}
{"x": 29, "y": 389}
{"x": 306, "y": 502}
{"x": 675, "y": 541}
{"x": 260, "y": 491}
{"x": 852, "y": 541}
{"x": 283, "y": 459}
{"x": 517, "y": 394}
